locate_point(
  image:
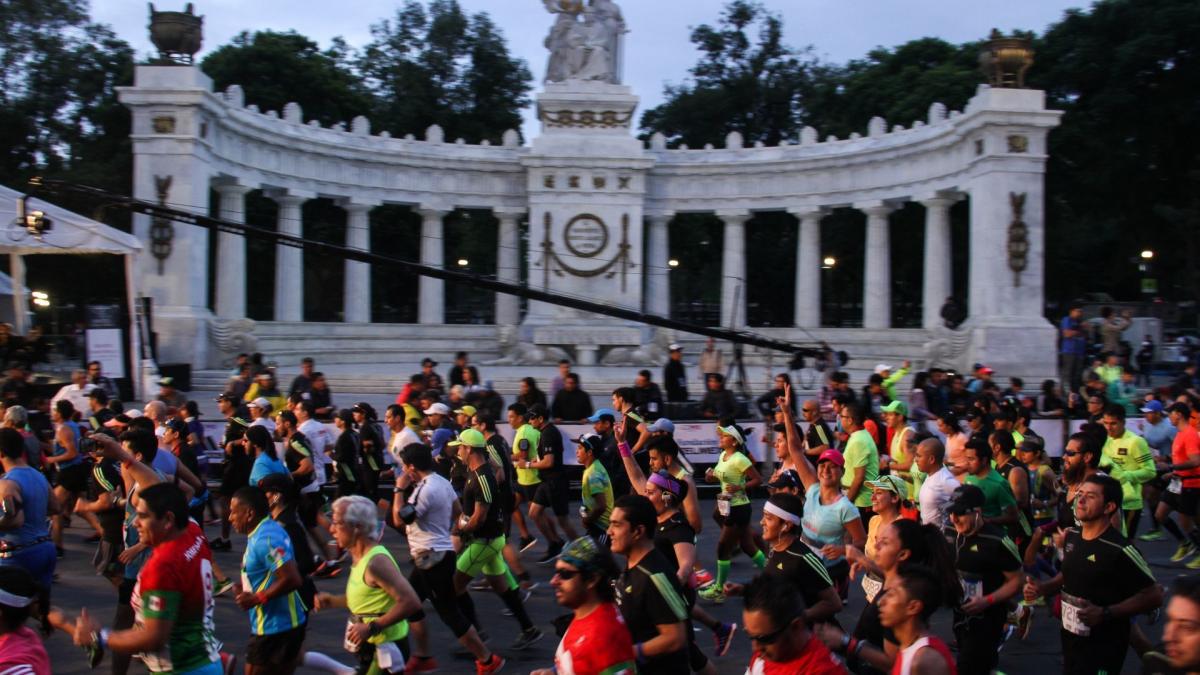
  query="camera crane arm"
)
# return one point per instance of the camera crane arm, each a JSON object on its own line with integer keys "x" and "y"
{"x": 42, "y": 187}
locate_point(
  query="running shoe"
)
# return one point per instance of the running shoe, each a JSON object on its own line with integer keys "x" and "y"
{"x": 229, "y": 663}
{"x": 328, "y": 569}
{"x": 723, "y": 638}
{"x": 222, "y": 586}
{"x": 421, "y": 664}
{"x": 526, "y": 639}
{"x": 1186, "y": 548}
{"x": 492, "y": 666}
{"x": 1194, "y": 563}
{"x": 551, "y": 554}
{"x": 1152, "y": 535}
{"x": 701, "y": 578}
{"x": 712, "y": 593}
{"x": 527, "y": 543}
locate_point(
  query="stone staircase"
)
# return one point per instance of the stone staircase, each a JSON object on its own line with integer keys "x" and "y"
{"x": 379, "y": 358}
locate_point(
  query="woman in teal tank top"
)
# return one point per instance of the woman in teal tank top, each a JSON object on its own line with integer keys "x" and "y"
{"x": 377, "y": 594}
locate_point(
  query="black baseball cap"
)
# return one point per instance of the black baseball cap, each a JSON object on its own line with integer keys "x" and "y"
{"x": 966, "y": 498}
{"x": 537, "y": 410}
{"x": 232, "y": 398}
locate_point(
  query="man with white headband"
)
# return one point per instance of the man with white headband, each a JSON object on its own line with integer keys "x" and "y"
{"x": 793, "y": 560}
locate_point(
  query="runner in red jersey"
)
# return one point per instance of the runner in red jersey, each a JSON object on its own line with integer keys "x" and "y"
{"x": 783, "y": 645}
{"x": 597, "y": 642}
{"x": 908, "y": 602}
{"x": 173, "y": 598}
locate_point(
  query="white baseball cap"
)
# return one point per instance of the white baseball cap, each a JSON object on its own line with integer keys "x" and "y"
{"x": 882, "y": 368}
{"x": 437, "y": 409}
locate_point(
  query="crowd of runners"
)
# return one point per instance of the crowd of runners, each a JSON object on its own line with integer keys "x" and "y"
{"x": 946, "y": 502}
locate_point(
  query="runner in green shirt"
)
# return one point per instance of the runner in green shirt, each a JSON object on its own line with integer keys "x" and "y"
{"x": 1000, "y": 506}
{"x": 736, "y": 473}
{"x": 596, "y": 488}
{"x": 524, "y": 449}
{"x": 1126, "y": 457}
{"x": 862, "y": 459}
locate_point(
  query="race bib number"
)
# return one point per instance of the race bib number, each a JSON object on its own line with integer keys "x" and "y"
{"x": 723, "y": 506}
{"x": 972, "y": 588}
{"x": 871, "y": 586}
{"x": 1071, "y": 620}
{"x": 1175, "y": 486}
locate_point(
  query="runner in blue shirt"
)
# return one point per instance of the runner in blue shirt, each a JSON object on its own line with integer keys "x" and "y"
{"x": 266, "y": 462}
{"x": 270, "y": 581}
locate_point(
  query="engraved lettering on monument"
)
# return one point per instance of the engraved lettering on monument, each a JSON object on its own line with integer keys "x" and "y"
{"x": 585, "y": 235}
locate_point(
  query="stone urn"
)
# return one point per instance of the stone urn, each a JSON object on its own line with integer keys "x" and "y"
{"x": 177, "y": 35}
{"x": 1005, "y": 60}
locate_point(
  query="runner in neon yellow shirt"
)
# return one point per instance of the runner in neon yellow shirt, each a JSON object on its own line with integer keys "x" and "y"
{"x": 1126, "y": 457}
{"x": 736, "y": 473}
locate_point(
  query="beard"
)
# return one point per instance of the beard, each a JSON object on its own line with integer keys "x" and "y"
{"x": 1074, "y": 473}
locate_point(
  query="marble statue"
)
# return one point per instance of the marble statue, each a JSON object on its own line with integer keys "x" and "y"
{"x": 585, "y": 43}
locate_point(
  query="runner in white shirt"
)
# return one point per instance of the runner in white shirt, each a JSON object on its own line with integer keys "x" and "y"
{"x": 76, "y": 392}
{"x": 940, "y": 484}
{"x": 318, "y": 437}
{"x": 402, "y": 434}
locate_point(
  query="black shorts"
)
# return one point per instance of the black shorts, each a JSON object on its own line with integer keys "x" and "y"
{"x": 1158, "y": 483}
{"x": 279, "y": 650}
{"x": 235, "y": 477}
{"x": 553, "y": 494}
{"x": 1186, "y": 502}
{"x": 310, "y": 505}
{"x": 74, "y": 478}
{"x": 525, "y": 492}
{"x": 739, "y": 516}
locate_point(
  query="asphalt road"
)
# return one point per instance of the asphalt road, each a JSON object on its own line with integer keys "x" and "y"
{"x": 78, "y": 586}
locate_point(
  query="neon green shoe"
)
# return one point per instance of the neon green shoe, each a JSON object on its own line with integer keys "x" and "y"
{"x": 1185, "y": 549}
{"x": 1152, "y": 535}
{"x": 714, "y": 593}
{"x": 1194, "y": 563}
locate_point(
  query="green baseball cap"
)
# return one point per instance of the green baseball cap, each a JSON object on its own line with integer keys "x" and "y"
{"x": 895, "y": 407}
{"x": 470, "y": 437}
{"x": 891, "y": 483}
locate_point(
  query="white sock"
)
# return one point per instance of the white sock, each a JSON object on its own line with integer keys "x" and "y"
{"x": 321, "y": 662}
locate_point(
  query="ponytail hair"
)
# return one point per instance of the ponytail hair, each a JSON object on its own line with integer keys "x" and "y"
{"x": 927, "y": 547}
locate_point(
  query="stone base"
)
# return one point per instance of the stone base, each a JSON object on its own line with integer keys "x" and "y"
{"x": 182, "y": 335}
{"x": 1015, "y": 346}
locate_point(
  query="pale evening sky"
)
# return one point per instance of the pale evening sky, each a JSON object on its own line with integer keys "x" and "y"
{"x": 657, "y": 48}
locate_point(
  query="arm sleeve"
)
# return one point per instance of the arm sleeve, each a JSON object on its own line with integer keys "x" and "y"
{"x": 1142, "y": 470}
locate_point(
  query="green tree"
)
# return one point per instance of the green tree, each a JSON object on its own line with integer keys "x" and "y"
{"x": 275, "y": 69}
{"x": 59, "y": 114}
{"x": 895, "y": 84}
{"x": 747, "y": 81}
{"x": 1124, "y": 168}
{"x": 442, "y": 66}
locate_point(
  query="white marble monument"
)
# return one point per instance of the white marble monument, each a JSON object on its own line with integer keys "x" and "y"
{"x": 596, "y": 205}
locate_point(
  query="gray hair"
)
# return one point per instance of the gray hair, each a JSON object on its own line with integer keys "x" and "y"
{"x": 159, "y": 408}
{"x": 359, "y": 513}
{"x": 16, "y": 415}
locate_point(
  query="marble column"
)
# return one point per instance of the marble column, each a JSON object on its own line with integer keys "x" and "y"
{"x": 733, "y": 269}
{"x": 938, "y": 284}
{"x": 289, "y": 260}
{"x": 356, "y": 305}
{"x": 231, "y": 254}
{"x": 432, "y": 308}
{"x": 508, "y": 267}
{"x": 808, "y": 267}
{"x": 877, "y": 275}
{"x": 657, "y": 265}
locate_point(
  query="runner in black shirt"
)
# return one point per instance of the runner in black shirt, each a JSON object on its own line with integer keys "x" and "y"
{"x": 552, "y": 492}
{"x": 480, "y": 492}
{"x": 989, "y": 568}
{"x": 104, "y": 493}
{"x": 793, "y": 560}
{"x": 371, "y": 443}
{"x": 1104, "y": 581}
{"x": 648, "y": 591}
{"x": 819, "y": 438}
{"x": 345, "y": 457}
{"x": 235, "y": 464}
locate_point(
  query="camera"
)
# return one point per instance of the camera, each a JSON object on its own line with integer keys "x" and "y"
{"x": 87, "y": 446}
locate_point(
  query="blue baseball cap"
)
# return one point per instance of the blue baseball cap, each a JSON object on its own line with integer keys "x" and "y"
{"x": 441, "y": 437}
{"x": 1153, "y": 407}
{"x": 601, "y": 413}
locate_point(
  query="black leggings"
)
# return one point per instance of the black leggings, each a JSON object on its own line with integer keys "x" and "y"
{"x": 436, "y": 584}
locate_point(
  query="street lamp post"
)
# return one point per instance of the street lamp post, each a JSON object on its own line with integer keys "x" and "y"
{"x": 1149, "y": 284}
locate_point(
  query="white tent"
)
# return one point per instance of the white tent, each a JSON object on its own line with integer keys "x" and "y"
{"x": 72, "y": 234}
